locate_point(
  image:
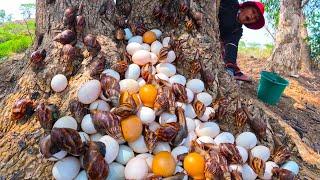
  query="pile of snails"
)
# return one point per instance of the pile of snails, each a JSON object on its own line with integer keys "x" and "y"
{"x": 140, "y": 119}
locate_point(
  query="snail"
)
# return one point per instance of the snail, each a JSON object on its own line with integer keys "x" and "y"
{"x": 106, "y": 122}
{"x": 138, "y": 27}
{"x": 199, "y": 108}
{"x": 146, "y": 73}
{"x": 69, "y": 16}
{"x": 167, "y": 131}
{"x": 180, "y": 92}
{"x": 80, "y": 23}
{"x": 92, "y": 44}
{"x": 283, "y": 174}
{"x": 47, "y": 115}
{"x": 259, "y": 127}
{"x": 68, "y": 140}
{"x": 127, "y": 107}
{"x": 280, "y": 152}
{"x": 66, "y": 37}
{"x": 220, "y": 106}
{"x": 183, "y": 130}
{"x": 189, "y": 25}
{"x": 94, "y": 162}
{"x": 22, "y": 108}
{"x": 150, "y": 138}
{"x": 50, "y": 150}
{"x": 78, "y": 110}
{"x": 257, "y": 164}
{"x": 240, "y": 116}
{"x": 119, "y": 34}
{"x": 97, "y": 66}
{"x": 38, "y": 56}
{"x": 120, "y": 66}
{"x": 111, "y": 89}
{"x": 68, "y": 53}
{"x": 124, "y": 7}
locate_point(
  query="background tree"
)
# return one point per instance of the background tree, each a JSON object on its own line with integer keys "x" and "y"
{"x": 4, "y": 17}
{"x": 27, "y": 10}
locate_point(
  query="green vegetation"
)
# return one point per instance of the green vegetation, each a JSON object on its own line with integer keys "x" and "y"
{"x": 16, "y": 37}
{"x": 255, "y": 50}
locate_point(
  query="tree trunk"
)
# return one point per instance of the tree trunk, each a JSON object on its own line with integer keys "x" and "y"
{"x": 305, "y": 49}
{"x": 290, "y": 56}
{"x": 19, "y": 153}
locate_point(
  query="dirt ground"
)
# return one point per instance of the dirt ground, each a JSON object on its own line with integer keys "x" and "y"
{"x": 300, "y": 104}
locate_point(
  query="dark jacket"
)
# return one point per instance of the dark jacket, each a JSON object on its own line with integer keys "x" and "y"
{"x": 230, "y": 29}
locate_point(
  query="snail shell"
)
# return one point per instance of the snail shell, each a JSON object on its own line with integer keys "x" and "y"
{"x": 49, "y": 150}
{"x": 22, "y": 108}
{"x": 68, "y": 53}
{"x": 38, "y": 56}
{"x": 111, "y": 89}
{"x": 150, "y": 138}
{"x": 66, "y": 37}
{"x": 47, "y": 115}
{"x": 97, "y": 66}
{"x": 180, "y": 92}
{"x": 167, "y": 131}
{"x": 92, "y": 45}
{"x": 94, "y": 163}
{"x": 68, "y": 140}
{"x": 78, "y": 110}
{"x": 106, "y": 122}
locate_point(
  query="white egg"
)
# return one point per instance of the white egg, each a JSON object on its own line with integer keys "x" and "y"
{"x": 157, "y": 32}
{"x": 144, "y": 155}
{"x": 235, "y": 167}
{"x": 133, "y": 72}
{"x": 167, "y": 118}
{"x": 171, "y": 56}
{"x": 116, "y": 171}
{"x": 166, "y": 68}
{"x": 261, "y": 152}
{"x": 84, "y": 137}
{"x": 156, "y": 47}
{"x": 190, "y": 124}
{"x": 66, "y": 122}
{"x": 141, "y": 57}
{"x": 205, "y": 98}
{"x": 248, "y": 173}
{"x": 243, "y": 153}
{"x": 154, "y": 58}
{"x": 162, "y": 146}
{"x": 180, "y": 104}
{"x": 66, "y": 168}
{"x": 247, "y": 140}
{"x": 87, "y": 125}
{"x": 205, "y": 139}
{"x": 59, "y": 83}
{"x": 224, "y": 137}
{"x": 179, "y": 150}
{"x": 207, "y": 114}
{"x": 190, "y": 95}
{"x": 149, "y": 163}
{"x": 89, "y": 91}
{"x": 137, "y": 39}
{"x": 162, "y": 76}
{"x": 178, "y": 79}
{"x": 112, "y": 148}
{"x": 189, "y": 111}
{"x": 146, "y": 115}
{"x": 180, "y": 169}
{"x": 128, "y": 34}
{"x": 82, "y": 176}
{"x": 146, "y": 46}
{"x": 124, "y": 155}
{"x": 130, "y": 85}
{"x": 208, "y": 129}
{"x": 139, "y": 146}
{"x": 136, "y": 168}
{"x": 191, "y": 136}
{"x": 141, "y": 82}
{"x": 154, "y": 126}
{"x": 291, "y": 166}
{"x": 195, "y": 85}
{"x": 99, "y": 105}
{"x": 96, "y": 137}
{"x": 57, "y": 156}
{"x": 197, "y": 122}
{"x": 133, "y": 47}
{"x": 268, "y": 170}
{"x": 112, "y": 73}
{"x": 166, "y": 41}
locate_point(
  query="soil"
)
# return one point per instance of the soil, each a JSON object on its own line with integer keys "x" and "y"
{"x": 300, "y": 104}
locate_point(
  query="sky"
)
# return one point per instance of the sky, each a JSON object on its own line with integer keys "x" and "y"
{"x": 249, "y": 36}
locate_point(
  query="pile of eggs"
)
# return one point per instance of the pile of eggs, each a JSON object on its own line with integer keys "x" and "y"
{"x": 130, "y": 158}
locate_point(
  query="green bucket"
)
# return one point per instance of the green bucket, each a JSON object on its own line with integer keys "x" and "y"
{"x": 271, "y": 87}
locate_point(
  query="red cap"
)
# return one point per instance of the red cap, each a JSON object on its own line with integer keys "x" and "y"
{"x": 260, "y": 7}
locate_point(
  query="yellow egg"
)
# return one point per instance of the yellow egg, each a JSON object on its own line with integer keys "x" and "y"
{"x": 163, "y": 164}
{"x": 148, "y": 94}
{"x": 131, "y": 128}
{"x": 149, "y": 37}
{"x": 193, "y": 163}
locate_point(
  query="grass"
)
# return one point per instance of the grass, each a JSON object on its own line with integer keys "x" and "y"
{"x": 15, "y": 38}
{"x": 255, "y": 50}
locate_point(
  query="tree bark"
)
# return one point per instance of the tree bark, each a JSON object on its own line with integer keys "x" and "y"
{"x": 290, "y": 55}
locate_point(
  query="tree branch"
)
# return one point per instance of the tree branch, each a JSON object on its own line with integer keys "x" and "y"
{"x": 271, "y": 34}
{"x": 303, "y": 3}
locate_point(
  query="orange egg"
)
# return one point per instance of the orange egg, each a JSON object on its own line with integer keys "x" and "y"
{"x": 131, "y": 128}
{"x": 149, "y": 37}
{"x": 193, "y": 163}
{"x": 148, "y": 94}
{"x": 163, "y": 164}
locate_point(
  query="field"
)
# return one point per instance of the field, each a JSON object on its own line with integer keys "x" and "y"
{"x": 15, "y": 37}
